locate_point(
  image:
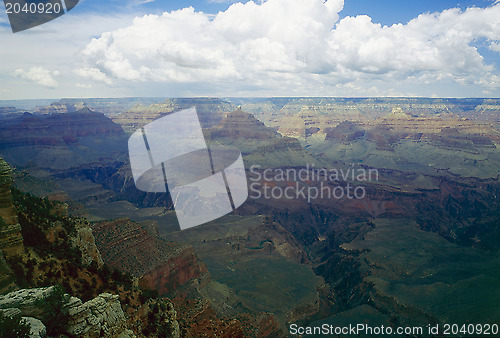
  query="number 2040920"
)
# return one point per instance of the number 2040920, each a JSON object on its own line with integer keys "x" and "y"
{"x": 32, "y": 8}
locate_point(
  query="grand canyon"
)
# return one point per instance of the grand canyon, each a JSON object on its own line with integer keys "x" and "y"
{"x": 419, "y": 247}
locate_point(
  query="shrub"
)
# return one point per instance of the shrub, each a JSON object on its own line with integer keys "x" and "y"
{"x": 14, "y": 327}
{"x": 36, "y": 216}
{"x": 55, "y": 314}
{"x": 147, "y": 294}
{"x": 17, "y": 266}
{"x": 159, "y": 321}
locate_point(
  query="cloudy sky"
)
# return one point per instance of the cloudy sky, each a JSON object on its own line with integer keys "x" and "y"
{"x": 181, "y": 48}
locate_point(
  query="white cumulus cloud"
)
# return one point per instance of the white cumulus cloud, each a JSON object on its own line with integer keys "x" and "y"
{"x": 38, "y": 75}
{"x": 295, "y": 45}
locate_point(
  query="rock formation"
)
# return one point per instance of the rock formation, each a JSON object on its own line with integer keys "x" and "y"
{"x": 11, "y": 240}
{"x": 58, "y": 129}
{"x": 210, "y": 112}
{"x": 244, "y": 125}
{"x": 10, "y": 230}
{"x": 26, "y": 300}
{"x": 86, "y": 243}
{"x": 127, "y": 245}
{"x": 177, "y": 271}
{"x": 61, "y": 140}
{"x": 100, "y": 317}
{"x": 258, "y": 143}
{"x": 37, "y": 328}
{"x": 345, "y": 131}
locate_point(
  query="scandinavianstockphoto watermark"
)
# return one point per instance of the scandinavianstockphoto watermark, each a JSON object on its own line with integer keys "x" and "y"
{"x": 310, "y": 183}
{"x": 171, "y": 154}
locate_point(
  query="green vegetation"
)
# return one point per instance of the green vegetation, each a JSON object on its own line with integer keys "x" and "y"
{"x": 14, "y": 327}
{"x": 37, "y": 215}
{"x": 111, "y": 278}
{"x": 159, "y": 322}
{"x": 148, "y": 294}
{"x": 59, "y": 260}
{"x": 55, "y": 314}
{"x": 52, "y": 258}
{"x": 17, "y": 266}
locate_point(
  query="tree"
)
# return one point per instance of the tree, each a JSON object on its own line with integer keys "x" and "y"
{"x": 14, "y": 327}
{"x": 55, "y": 314}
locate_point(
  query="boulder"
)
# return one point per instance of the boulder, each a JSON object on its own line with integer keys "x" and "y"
{"x": 101, "y": 316}
{"x": 37, "y": 329}
{"x": 25, "y": 300}
{"x": 86, "y": 243}
{"x": 10, "y": 312}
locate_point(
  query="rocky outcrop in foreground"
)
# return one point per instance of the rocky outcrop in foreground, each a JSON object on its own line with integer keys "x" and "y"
{"x": 100, "y": 317}
{"x": 37, "y": 329}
